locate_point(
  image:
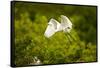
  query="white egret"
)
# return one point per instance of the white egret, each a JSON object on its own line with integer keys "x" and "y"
{"x": 54, "y": 26}
{"x": 37, "y": 61}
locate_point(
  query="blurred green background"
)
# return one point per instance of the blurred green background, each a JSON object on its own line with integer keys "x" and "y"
{"x": 31, "y": 20}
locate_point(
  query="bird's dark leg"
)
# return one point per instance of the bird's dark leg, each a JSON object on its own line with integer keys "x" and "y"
{"x": 79, "y": 51}
{"x": 72, "y": 37}
{"x": 77, "y": 42}
{"x": 69, "y": 41}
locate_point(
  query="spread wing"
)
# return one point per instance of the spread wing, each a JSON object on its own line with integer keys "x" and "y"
{"x": 51, "y": 28}
{"x": 66, "y": 24}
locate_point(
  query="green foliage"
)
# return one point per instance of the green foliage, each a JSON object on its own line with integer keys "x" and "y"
{"x": 31, "y": 20}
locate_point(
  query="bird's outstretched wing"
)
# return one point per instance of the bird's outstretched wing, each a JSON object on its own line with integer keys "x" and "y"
{"x": 51, "y": 28}
{"x": 66, "y": 24}
{"x": 53, "y": 23}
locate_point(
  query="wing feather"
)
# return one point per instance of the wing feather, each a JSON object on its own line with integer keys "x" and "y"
{"x": 66, "y": 23}
{"x": 51, "y": 28}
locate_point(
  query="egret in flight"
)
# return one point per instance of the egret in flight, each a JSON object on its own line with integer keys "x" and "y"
{"x": 54, "y": 26}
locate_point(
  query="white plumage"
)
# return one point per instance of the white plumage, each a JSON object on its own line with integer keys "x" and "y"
{"x": 54, "y": 26}
{"x": 37, "y": 61}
